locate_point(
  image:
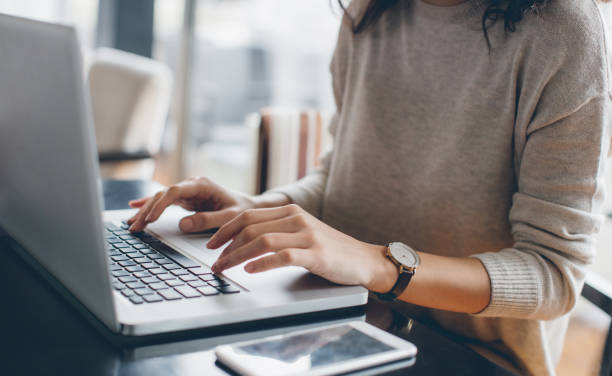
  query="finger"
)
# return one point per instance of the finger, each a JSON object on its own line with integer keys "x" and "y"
{"x": 139, "y": 220}
{"x": 285, "y": 257}
{"x": 290, "y": 224}
{"x": 172, "y": 194}
{"x": 139, "y": 202}
{"x": 206, "y": 220}
{"x": 261, "y": 245}
{"x": 248, "y": 217}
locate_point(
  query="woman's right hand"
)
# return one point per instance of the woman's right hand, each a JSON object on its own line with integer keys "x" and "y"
{"x": 213, "y": 205}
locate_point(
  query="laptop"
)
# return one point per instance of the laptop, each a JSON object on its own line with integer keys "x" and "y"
{"x": 155, "y": 282}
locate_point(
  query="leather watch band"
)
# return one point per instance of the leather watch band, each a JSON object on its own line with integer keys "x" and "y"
{"x": 400, "y": 285}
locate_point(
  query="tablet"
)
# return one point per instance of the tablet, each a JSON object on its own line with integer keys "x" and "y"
{"x": 322, "y": 351}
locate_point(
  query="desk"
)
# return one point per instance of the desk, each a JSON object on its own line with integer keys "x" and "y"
{"x": 41, "y": 334}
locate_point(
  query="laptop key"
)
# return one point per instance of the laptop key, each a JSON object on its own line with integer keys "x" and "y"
{"x": 121, "y": 245}
{"x": 187, "y": 291}
{"x": 158, "y": 286}
{"x": 114, "y": 266}
{"x": 144, "y": 291}
{"x": 149, "y": 265}
{"x": 136, "y": 268}
{"x": 141, "y": 260}
{"x": 156, "y": 256}
{"x": 140, "y": 246}
{"x": 170, "y": 266}
{"x": 127, "y": 263}
{"x": 153, "y": 298}
{"x": 179, "y": 272}
{"x": 208, "y": 277}
{"x": 157, "y": 271}
{"x": 174, "y": 283}
{"x": 149, "y": 280}
{"x": 142, "y": 274}
{"x": 228, "y": 289}
{"x": 163, "y": 261}
{"x": 188, "y": 278}
{"x": 208, "y": 290}
{"x": 218, "y": 283}
{"x": 119, "y": 258}
{"x": 127, "y": 279}
{"x": 201, "y": 270}
{"x": 170, "y": 294}
{"x": 136, "y": 299}
{"x": 120, "y": 273}
{"x": 127, "y": 293}
{"x": 197, "y": 283}
{"x": 118, "y": 285}
{"x": 136, "y": 285}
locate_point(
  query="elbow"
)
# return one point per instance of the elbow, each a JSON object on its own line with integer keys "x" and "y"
{"x": 528, "y": 285}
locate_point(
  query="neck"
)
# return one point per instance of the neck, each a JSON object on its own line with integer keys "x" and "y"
{"x": 444, "y": 3}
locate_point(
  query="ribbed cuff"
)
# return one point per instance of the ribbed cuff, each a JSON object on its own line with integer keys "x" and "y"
{"x": 515, "y": 286}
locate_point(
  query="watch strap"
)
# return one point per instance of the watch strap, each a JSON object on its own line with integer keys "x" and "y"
{"x": 400, "y": 285}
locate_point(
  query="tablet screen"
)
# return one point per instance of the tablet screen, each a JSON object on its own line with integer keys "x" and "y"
{"x": 316, "y": 349}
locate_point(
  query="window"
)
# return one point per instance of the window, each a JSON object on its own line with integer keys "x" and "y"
{"x": 247, "y": 54}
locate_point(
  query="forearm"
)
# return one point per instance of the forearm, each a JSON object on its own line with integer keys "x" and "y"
{"x": 459, "y": 284}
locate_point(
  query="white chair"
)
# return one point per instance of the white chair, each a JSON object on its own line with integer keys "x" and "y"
{"x": 130, "y": 98}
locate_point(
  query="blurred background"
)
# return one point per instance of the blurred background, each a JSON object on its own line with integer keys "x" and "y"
{"x": 228, "y": 59}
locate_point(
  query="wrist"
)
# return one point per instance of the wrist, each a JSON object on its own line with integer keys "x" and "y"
{"x": 384, "y": 272}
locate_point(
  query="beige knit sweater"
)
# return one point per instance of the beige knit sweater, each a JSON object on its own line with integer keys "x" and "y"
{"x": 459, "y": 151}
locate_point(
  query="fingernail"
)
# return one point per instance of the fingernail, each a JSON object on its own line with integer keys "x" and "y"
{"x": 249, "y": 268}
{"x": 211, "y": 243}
{"x": 187, "y": 224}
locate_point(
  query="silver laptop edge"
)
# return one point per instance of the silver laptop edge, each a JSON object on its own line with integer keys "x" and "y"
{"x": 50, "y": 199}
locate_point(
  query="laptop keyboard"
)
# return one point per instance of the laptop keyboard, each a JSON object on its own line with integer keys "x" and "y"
{"x": 145, "y": 270}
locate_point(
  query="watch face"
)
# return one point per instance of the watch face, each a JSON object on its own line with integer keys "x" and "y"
{"x": 404, "y": 255}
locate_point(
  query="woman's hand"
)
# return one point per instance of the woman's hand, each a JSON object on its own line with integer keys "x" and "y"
{"x": 214, "y": 205}
{"x": 296, "y": 238}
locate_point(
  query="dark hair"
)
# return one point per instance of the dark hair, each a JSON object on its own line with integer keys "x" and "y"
{"x": 511, "y": 11}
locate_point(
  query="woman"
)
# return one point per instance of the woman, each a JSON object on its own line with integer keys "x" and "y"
{"x": 474, "y": 132}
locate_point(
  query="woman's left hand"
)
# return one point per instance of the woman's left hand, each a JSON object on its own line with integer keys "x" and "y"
{"x": 297, "y": 238}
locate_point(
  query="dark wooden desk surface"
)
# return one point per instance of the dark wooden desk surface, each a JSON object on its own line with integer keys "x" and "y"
{"x": 40, "y": 334}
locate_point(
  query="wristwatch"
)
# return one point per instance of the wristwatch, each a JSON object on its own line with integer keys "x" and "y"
{"x": 407, "y": 260}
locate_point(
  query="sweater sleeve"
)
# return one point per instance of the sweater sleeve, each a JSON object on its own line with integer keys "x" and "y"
{"x": 554, "y": 217}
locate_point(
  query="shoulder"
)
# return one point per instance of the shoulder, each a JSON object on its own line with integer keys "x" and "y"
{"x": 567, "y": 25}
{"x": 566, "y": 43}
